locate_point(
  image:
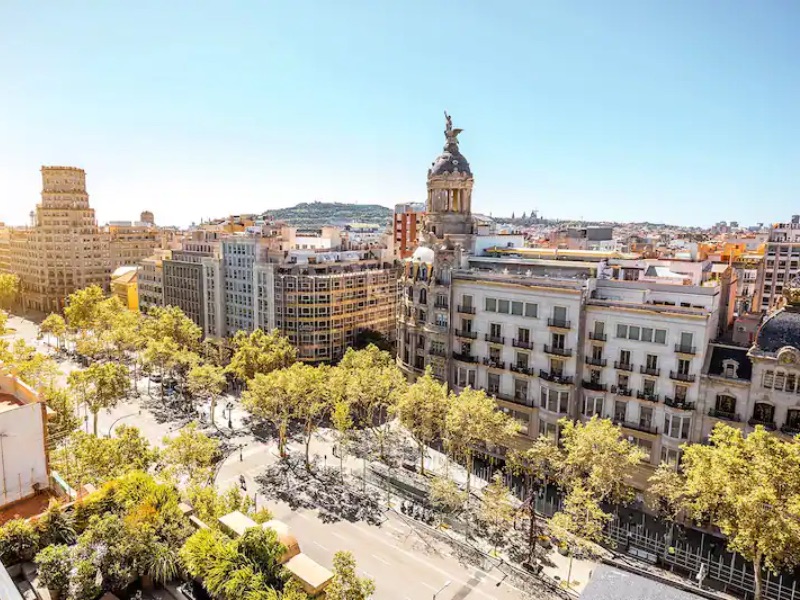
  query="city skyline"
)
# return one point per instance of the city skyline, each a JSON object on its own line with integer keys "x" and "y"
{"x": 679, "y": 114}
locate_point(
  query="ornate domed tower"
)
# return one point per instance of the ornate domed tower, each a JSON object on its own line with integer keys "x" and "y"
{"x": 424, "y": 311}
{"x": 449, "y": 202}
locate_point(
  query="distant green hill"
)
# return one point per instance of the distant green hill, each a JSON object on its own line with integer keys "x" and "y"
{"x": 331, "y": 213}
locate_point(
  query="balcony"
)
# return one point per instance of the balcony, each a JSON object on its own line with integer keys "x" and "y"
{"x": 465, "y": 357}
{"x": 438, "y": 352}
{"x": 523, "y": 369}
{"x": 768, "y": 425}
{"x": 725, "y": 415}
{"x": 472, "y": 335}
{"x": 676, "y": 403}
{"x": 494, "y": 364}
{"x": 555, "y": 377}
{"x": 655, "y": 372}
{"x": 520, "y": 399}
{"x": 681, "y": 349}
{"x": 596, "y": 362}
{"x": 559, "y": 323}
{"x": 623, "y": 366}
{"x": 522, "y": 344}
{"x": 557, "y": 351}
{"x": 466, "y": 310}
{"x": 595, "y": 386}
{"x": 621, "y": 391}
{"x": 677, "y": 376}
{"x": 439, "y": 304}
{"x": 495, "y": 339}
{"x": 642, "y": 426}
{"x": 648, "y": 397}
{"x": 597, "y": 337}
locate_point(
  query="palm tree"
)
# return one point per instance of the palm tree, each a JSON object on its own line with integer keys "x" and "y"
{"x": 161, "y": 565}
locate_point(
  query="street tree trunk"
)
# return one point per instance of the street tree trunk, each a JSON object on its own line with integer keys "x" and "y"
{"x": 757, "y": 565}
{"x": 94, "y": 422}
{"x": 422, "y": 459}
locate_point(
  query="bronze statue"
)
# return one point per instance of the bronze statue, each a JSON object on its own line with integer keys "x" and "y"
{"x": 450, "y": 134}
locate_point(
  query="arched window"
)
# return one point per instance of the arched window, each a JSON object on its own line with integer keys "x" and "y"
{"x": 423, "y": 296}
{"x": 792, "y": 424}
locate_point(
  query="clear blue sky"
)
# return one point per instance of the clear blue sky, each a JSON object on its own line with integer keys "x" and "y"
{"x": 684, "y": 111}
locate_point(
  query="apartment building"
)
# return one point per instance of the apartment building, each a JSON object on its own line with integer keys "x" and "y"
{"x": 5, "y": 249}
{"x": 407, "y": 224}
{"x": 302, "y": 284}
{"x": 556, "y": 333}
{"x": 782, "y": 262}
{"x": 129, "y": 242}
{"x": 150, "y": 281}
{"x": 182, "y": 272}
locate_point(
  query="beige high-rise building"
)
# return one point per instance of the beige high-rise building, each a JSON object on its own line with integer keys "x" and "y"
{"x": 64, "y": 250}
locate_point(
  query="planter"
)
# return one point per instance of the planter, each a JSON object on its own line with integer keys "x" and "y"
{"x": 147, "y": 583}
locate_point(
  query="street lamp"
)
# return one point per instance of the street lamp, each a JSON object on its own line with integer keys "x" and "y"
{"x": 441, "y": 589}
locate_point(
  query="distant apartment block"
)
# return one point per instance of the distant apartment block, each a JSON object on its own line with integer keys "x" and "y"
{"x": 406, "y": 228}
{"x": 782, "y": 261}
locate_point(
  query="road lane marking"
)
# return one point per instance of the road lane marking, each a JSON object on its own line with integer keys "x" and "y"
{"x": 340, "y": 536}
{"x": 429, "y": 586}
{"x": 321, "y": 546}
{"x": 380, "y": 558}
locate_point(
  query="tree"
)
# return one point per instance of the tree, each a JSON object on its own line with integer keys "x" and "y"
{"x": 209, "y": 505}
{"x": 309, "y": 399}
{"x": 496, "y": 511}
{"x": 473, "y": 421}
{"x": 122, "y": 333}
{"x": 82, "y": 308}
{"x": 18, "y": 541}
{"x": 445, "y": 495}
{"x": 346, "y": 585}
{"x": 161, "y": 354}
{"x": 65, "y": 420}
{"x": 371, "y": 382}
{"x": 54, "y": 564}
{"x": 596, "y": 455}
{"x": 101, "y": 386}
{"x": 207, "y": 382}
{"x": 536, "y": 464}
{"x": 343, "y": 424}
{"x": 55, "y": 325}
{"x": 581, "y": 516}
{"x": 260, "y": 352}
{"x": 422, "y": 409}
{"x": 269, "y": 397}
{"x": 749, "y": 487}
{"x": 161, "y": 564}
{"x": 190, "y": 454}
{"x": 9, "y": 289}
{"x": 170, "y": 323}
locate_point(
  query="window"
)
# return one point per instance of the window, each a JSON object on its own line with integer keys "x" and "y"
{"x": 423, "y": 296}
{"x": 466, "y": 300}
{"x": 441, "y": 319}
{"x": 622, "y": 331}
{"x": 633, "y": 332}
{"x": 491, "y": 304}
{"x": 649, "y": 387}
{"x": 466, "y": 325}
{"x": 686, "y": 339}
{"x": 671, "y": 457}
{"x": 593, "y": 406}
{"x": 661, "y": 336}
{"x": 625, "y": 357}
{"x": 623, "y": 381}
{"x": 531, "y": 310}
{"x": 559, "y": 314}
{"x": 597, "y": 352}
{"x": 647, "y": 334}
{"x": 524, "y": 335}
{"x": 494, "y": 355}
{"x": 681, "y": 392}
{"x": 764, "y": 413}
{"x": 677, "y": 426}
{"x": 645, "y": 417}
{"x": 495, "y": 330}
{"x": 522, "y": 359}
{"x": 769, "y": 378}
{"x": 554, "y": 400}
{"x": 465, "y": 377}
{"x": 493, "y": 383}
{"x": 517, "y": 308}
{"x": 683, "y": 366}
{"x": 503, "y": 306}
{"x": 548, "y": 430}
{"x": 558, "y": 340}
{"x": 652, "y": 361}
{"x": 556, "y": 367}
{"x": 599, "y": 328}
{"x": 725, "y": 404}
{"x": 620, "y": 410}
{"x": 521, "y": 390}
{"x": 780, "y": 380}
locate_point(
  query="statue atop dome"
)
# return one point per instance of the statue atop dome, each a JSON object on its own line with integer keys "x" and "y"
{"x": 450, "y": 134}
